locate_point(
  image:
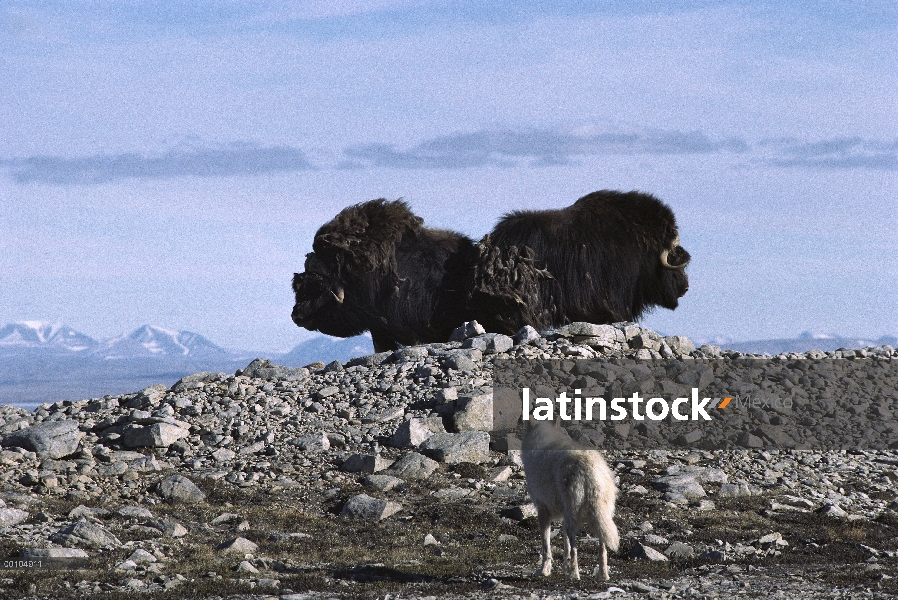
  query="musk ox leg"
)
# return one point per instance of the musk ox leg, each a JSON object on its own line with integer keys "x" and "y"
{"x": 383, "y": 342}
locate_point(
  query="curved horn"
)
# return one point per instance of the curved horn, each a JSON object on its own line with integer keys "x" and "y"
{"x": 666, "y": 252}
{"x": 338, "y": 295}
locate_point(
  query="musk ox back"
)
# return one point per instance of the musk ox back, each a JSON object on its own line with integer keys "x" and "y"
{"x": 375, "y": 267}
{"x": 607, "y": 258}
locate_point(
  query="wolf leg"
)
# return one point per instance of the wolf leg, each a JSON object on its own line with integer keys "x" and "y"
{"x": 570, "y": 551}
{"x": 604, "y": 564}
{"x": 545, "y": 528}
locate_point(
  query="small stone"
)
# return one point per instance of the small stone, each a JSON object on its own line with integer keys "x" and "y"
{"x": 467, "y": 330}
{"x": 85, "y": 533}
{"x": 520, "y": 512}
{"x": 381, "y": 416}
{"x": 643, "y": 552}
{"x": 500, "y": 474}
{"x": 415, "y": 431}
{"x": 679, "y": 344}
{"x": 679, "y": 550}
{"x": 169, "y": 527}
{"x": 413, "y": 466}
{"x": 177, "y": 488}
{"x": 454, "y": 448}
{"x": 525, "y": 335}
{"x": 474, "y": 413}
{"x": 237, "y": 545}
{"x": 497, "y": 343}
{"x": 12, "y": 516}
{"x": 127, "y": 565}
{"x": 365, "y": 507}
{"x": 142, "y": 557}
{"x": 134, "y": 512}
{"x": 246, "y": 567}
{"x": 157, "y": 435}
{"x": 365, "y": 463}
{"x": 383, "y": 483}
{"x": 429, "y": 540}
{"x": 656, "y": 540}
{"x": 224, "y": 455}
{"x": 734, "y": 490}
{"x": 134, "y": 584}
{"x": 685, "y": 485}
{"x": 225, "y": 518}
{"x": 312, "y": 442}
{"x": 833, "y": 511}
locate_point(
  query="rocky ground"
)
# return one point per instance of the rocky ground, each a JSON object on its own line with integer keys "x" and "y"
{"x": 377, "y": 478}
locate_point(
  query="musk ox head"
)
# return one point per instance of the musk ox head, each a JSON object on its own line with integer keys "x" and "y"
{"x": 337, "y": 293}
{"x": 320, "y": 302}
{"x": 674, "y": 283}
{"x": 375, "y": 267}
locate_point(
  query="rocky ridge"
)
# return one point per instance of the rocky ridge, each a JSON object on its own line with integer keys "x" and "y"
{"x": 169, "y": 481}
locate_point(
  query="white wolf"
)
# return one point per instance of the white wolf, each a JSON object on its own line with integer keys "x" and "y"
{"x": 567, "y": 480}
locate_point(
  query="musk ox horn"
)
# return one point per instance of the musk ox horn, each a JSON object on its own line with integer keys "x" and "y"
{"x": 338, "y": 295}
{"x": 666, "y": 252}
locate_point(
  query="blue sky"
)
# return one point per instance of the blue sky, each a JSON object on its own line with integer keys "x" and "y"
{"x": 169, "y": 165}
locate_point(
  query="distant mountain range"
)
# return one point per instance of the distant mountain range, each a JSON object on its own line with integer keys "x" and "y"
{"x": 143, "y": 342}
{"x": 45, "y": 362}
{"x": 805, "y": 342}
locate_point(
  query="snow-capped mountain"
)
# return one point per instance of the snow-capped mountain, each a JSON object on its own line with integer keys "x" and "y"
{"x": 326, "y": 349}
{"x": 43, "y": 335}
{"x": 144, "y": 342}
{"x": 149, "y": 341}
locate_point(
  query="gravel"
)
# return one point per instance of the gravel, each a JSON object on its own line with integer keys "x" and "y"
{"x": 410, "y": 428}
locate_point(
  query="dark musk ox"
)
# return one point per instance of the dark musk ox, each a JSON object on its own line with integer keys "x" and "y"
{"x": 375, "y": 267}
{"x": 607, "y": 258}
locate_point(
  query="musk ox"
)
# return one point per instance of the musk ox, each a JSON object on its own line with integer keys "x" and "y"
{"x": 375, "y": 267}
{"x": 607, "y": 258}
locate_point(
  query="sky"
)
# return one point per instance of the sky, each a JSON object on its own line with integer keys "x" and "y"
{"x": 169, "y": 163}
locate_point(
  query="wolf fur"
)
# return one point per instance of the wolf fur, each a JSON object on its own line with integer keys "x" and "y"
{"x": 569, "y": 481}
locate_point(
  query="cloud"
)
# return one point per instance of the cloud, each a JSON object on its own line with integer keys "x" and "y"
{"x": 542, "y": 147}
{"x": 503, "y": 148}
{"x": 235, "y": 159}
{"x": 836, "y": 153}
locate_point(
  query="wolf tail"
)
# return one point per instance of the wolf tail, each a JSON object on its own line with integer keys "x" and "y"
{"x": 600, "y": 495}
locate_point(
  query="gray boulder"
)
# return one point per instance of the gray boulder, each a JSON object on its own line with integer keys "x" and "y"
{"x": 367, "y": 508}
{"x": 157, "y": 435}
{"x": 365, "y": 463}
{"x": 177, "y": 488}
{"x": 84, "y": 533}
{"x": 454, "y": 448}
{"x": 415, "y": 431}
{"x": 474, "y": 412}
{"x": 51, "y": 439}
{"x": 12, "y": 516}
{"x": 413, "y": 466}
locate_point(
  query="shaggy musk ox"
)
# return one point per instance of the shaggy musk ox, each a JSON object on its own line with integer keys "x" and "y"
{"x": 607, "y": 258}
{"x": 375, "y": 267}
